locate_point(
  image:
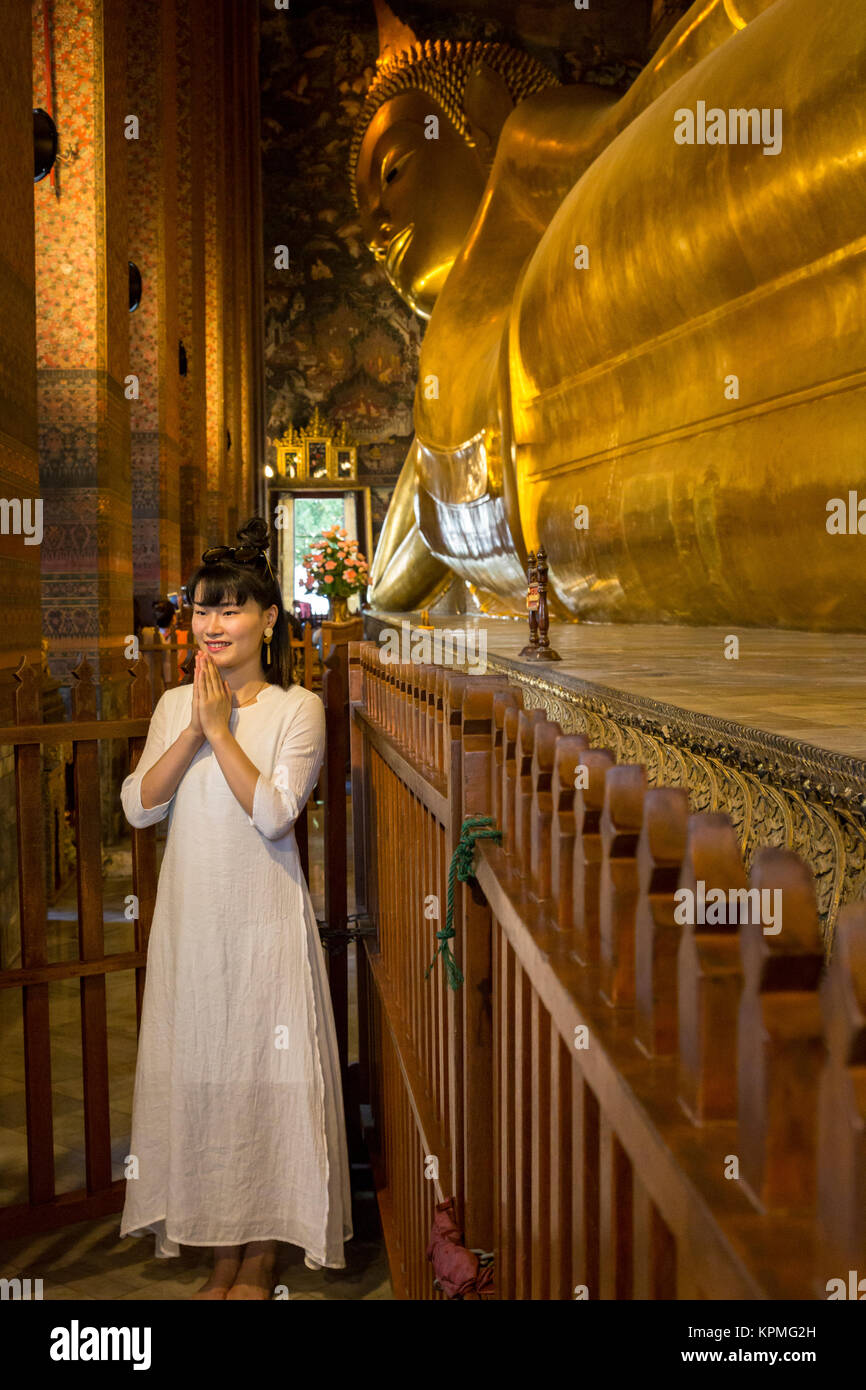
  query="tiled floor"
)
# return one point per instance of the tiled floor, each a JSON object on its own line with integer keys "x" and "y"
{"x": 801, "y": 685}
{"x": 89, "y": 1260}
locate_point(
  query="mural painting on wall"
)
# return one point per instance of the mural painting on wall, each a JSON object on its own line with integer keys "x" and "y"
{"x": 336, "y": 334}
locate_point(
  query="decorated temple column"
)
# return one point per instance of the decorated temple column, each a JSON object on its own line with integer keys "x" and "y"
{"x": 154, "y": 329}
{"x": 192, "y": 151}
{"x": 210, "y": 38}
{"x": 82, "y": 309}
{"x": 19, "y": 470}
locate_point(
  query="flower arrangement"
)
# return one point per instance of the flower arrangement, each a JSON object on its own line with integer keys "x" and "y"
{"x": 335, "y": 567}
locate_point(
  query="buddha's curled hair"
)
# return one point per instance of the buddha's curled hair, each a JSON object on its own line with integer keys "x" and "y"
{"x": 442, "y": 69}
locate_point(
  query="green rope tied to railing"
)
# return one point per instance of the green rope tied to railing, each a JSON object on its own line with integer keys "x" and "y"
{"x": 461, "y": 867}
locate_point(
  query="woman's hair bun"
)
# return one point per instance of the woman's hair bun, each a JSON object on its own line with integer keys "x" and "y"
{"x": 255, "y": 532}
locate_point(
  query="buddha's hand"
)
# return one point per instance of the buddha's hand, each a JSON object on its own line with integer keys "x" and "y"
{"x": 214, "y": 699}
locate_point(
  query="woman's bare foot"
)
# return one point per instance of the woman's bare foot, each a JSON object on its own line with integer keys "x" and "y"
{"x": 226, "y": 1263}
{"x": 255, "y": 1278}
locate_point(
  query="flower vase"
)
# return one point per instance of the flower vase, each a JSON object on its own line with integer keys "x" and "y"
{"x": 338, "y": 610}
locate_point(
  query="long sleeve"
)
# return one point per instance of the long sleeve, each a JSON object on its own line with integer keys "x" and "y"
{"x": 279, "y": 799}
{"x": 130, "y": 792}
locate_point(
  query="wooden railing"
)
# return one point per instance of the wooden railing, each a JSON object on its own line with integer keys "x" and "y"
{"x": 28, "y": 735}
{"x": 623, "y": 1105}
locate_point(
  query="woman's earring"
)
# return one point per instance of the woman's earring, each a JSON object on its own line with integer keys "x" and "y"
{"x": 269, "y": 632}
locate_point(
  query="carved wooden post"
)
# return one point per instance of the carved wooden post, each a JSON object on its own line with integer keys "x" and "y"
{"x": 547, "y": 735}
{"x": 404, "y": 681}
{"x": 426, "y": 714}
{"x": 91, "y": 934}
{"x": 527, "y": 723}
{"x": 621, "y": 822}
{"x": 567, "y": 754}
{"x": 417, "y": 725}
{"x": 708, "y": 969}
{"x": 842, "y": 1113}
{"x": 377, "y": 684}
{"x": 439, "y": 726}
{"x": 509, "y": 698}
{"x": 144, "y": 874}
{"x": 660, "y": 853}
{"x": 779, "y": 1037}
{"x": 543, "y": 651}
{"x": 509, "y": 778}
{"x": 588, "y": 805}
{"x": 477, "y": 738}
{"x": 531, "y": 607}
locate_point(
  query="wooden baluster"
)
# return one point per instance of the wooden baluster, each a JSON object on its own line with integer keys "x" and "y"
{"x": 547, "y": 735}
{"x": 387, "y": 676}
{"x": 27, "y": 702}
{"x": 509, "y": 778}
{"x": 661, "y": 847}
{"x": 144, "y": 840}
{"x": 360, "y": 775}
{"x": 621, "y": 821}
{"x": 508, "y": 698}
{"x": 412, "y": 710}
{"x": 419, "y": 711}
{"x": 586, "y": 876}
{"x": 91, "y": 935}
{"x": 709, "y": 975}
{"x": 403, "y": 674}
{"x": 779, "y": 1037}
{"x": 568, "y": 752}
{"x": 527, "y": 723}
{"x": 426, "y": 715}
{"x": 477, "y": 740}
{"x": 440, "y": 720}
{"x": 392, "y": 679}
{"x": 374, "y": 686}
{"x": 842, "y": 1114}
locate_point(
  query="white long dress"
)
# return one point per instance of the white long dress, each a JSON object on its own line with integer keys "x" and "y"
{"x": 237, "y": 1130}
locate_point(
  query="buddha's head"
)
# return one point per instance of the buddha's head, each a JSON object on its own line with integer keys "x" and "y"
{"x": 423, "y": 147}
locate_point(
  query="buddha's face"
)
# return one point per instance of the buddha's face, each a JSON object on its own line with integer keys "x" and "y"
{"x": 417, "y": 196}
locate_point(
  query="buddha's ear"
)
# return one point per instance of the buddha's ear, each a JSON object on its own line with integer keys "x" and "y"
{"x": 487, "y": 105}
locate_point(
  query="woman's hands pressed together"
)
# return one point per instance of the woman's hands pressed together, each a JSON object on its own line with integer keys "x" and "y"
{"x": 211, "y": 699}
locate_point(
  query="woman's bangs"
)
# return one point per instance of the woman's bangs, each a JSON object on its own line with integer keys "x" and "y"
{"x": 217, "y": 586}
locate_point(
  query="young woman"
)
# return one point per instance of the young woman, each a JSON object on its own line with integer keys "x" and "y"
{"x": 238, "y": 1136}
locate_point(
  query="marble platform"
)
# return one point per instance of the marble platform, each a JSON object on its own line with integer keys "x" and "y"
{"x": 775, "y": 737}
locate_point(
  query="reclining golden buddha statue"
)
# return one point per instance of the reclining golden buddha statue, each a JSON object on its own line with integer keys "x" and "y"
{"x": 645, "y": 347}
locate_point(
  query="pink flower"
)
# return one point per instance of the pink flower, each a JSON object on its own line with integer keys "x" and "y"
{"x": 330, "y": 565}
{"x": 342, "y": 531}
{"x": 329, "y": 579}
{"x": 350, "y": 576}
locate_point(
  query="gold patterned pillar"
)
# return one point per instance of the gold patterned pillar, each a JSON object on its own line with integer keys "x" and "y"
{"x": 193, "y": 150}
{"x": 154, "y": 327}
{"x": 19, "y": 469}
{"x": 210, "y": 39}
{"x": 82, "y": 305}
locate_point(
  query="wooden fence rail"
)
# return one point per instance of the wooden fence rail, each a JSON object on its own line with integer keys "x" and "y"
{"x": 626, "y": 1101}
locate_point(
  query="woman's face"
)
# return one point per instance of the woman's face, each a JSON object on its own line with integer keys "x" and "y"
{"x": 417, "y": 195}
{"x": 231, "y": 633}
